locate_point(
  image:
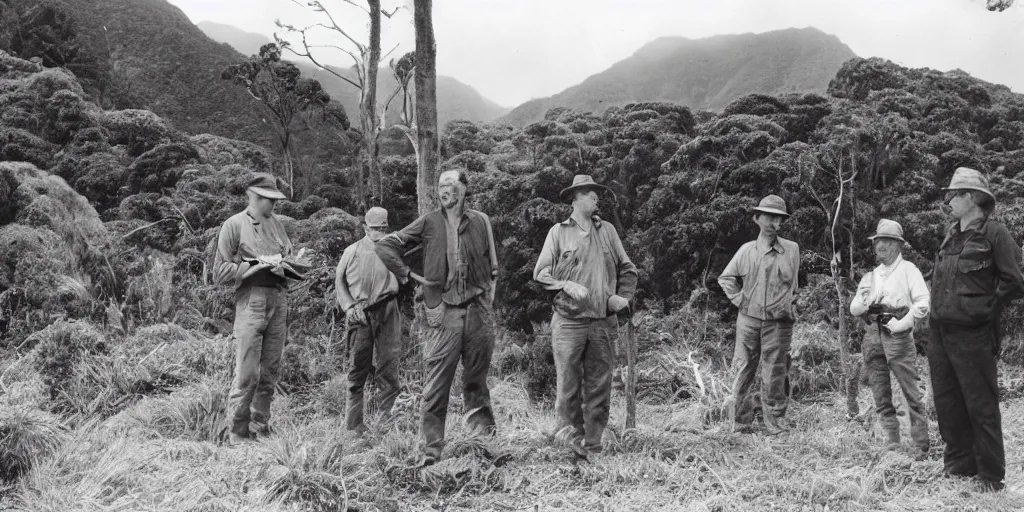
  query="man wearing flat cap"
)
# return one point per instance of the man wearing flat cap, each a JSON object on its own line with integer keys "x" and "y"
{"x": 251, "y": 250}
{"x": 367, "y": 291}
{"x": 977, "y": 274}
{"x": 584, "y": 261}
{"x": 761, "y": 279}
{"x": 889, "y": 299}
{"x": 460, "y": 268}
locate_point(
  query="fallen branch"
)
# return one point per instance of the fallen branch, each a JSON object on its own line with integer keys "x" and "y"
{"x": 147, "y": 226}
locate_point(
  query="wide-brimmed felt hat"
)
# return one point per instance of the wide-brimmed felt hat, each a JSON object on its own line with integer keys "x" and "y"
{"x": 965, "y": 178}
{"x": 376, "y": 217}
{"x": 772, "y": 204}
{"x": 888, "y": 229}
{"x": 579, "y": 181}
{"x": 265, "y": 184}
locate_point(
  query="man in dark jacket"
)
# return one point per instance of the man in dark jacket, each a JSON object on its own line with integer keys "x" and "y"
{"x": 459, "y": 270}
{"x": 977, "y": 273}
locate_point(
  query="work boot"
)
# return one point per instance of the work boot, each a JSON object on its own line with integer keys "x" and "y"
{"x": 427, "y": 459}
{"x": 922, "y": 454}
{"x": 579, "y": 449}
{"x": 892, "y": 436}
{"x": 991, "y": 485}
{"x": 261, "y": 432}
{"x": 235, "y": 440}
{"x": 742, "y": 428}
{"x": 774, "y": 426}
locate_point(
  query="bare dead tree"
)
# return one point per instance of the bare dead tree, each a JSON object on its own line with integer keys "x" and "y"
{"x": 366, "y": 58}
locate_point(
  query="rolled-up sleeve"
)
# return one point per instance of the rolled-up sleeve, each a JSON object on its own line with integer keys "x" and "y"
{"x": 392, "y": 247}
{"x": 859, "y": 304}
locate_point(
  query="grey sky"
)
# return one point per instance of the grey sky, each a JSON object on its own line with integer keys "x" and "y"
{"x": 514, "y": 50}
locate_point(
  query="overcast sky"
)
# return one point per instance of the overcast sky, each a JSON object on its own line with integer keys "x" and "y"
{"x": 515, "y": 50}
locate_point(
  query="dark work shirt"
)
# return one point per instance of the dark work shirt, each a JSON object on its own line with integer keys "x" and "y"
{"x": 471, "y": 255}
{"x": 977, "y": 272}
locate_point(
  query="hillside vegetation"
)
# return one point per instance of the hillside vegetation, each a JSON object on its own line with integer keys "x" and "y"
{"x": 455, "y": 100}
{"x": 115, "y": 352}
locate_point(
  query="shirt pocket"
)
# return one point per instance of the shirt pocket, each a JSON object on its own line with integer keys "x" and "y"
{"x": 785, "y": 273}
{"x": 974, "y": 270}
{"x": 568, "y": 260}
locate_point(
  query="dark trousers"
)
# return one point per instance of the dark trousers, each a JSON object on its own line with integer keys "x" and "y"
{"x": 460, "y": 334}
{"x": 963, "y": 367}
{"x": 381, "y": 334}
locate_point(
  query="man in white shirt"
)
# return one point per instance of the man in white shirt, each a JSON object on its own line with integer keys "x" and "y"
{"x": 889, "y": 299}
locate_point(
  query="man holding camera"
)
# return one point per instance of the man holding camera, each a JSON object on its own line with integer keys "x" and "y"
{"x": 888, "y": 300}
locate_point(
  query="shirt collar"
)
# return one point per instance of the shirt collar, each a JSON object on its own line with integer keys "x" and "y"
{"x": 975, "y": 224}
{"x": 763, "y": 246}
{"x": 444, "y": 211}
{"x": 572, "y": 222}
{"x": 252, "y": 218}
{"x": 888, "y": 269}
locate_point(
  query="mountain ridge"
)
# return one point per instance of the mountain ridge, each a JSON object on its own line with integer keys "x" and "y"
{"x": 705, "y": 73}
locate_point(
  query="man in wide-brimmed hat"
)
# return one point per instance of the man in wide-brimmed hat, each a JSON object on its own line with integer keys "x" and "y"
{"x": 889, "y": 299}
{"x": 251, "y": 250}
{"x": 761, "y": 279}
{"x": 977, "y": 273}
{"x": 460, "y": 268}
{"x": 368, "y": 293}
{"x": 584, "y": 261}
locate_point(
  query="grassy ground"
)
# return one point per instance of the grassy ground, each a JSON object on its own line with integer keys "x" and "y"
{"x": 157, "y": 454}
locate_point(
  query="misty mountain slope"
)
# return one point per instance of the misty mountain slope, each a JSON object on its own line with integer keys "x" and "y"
{"x": 704, "y": 73}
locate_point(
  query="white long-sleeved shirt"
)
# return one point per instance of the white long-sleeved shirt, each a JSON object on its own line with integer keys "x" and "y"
{"x": 898, "y": 285}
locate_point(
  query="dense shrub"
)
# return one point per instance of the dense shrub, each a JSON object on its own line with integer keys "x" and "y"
{"x": 17, "y": 145}
{"x": 138, "y": 130}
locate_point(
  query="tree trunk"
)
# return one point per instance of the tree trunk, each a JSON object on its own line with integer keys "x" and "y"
{"x": 290, "y": 170}
{"x": 368, "y": 99}
{"x": 426, "y": 106}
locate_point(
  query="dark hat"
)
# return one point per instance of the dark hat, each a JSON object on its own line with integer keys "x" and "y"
{"x": 773, "y": 205}
{"x": 265, "y": 184}
{"x": 579, "y": 181}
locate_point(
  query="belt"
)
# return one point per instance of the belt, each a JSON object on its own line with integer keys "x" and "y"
{"x": 472, "y": 300}
{"x": 381, "y": 302}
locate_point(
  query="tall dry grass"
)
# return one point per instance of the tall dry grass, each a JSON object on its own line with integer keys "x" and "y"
{"x": 157, "y": 449}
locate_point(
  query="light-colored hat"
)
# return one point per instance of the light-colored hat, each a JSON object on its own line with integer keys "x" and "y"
{"x": 965, "y": 178}
{"x": 888, "y": 229}
{"x": 265, "y": 184}
{"x": 772, "y": 204}
{"x": 579, "y": 181}
{"x": 376, "y": 217}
